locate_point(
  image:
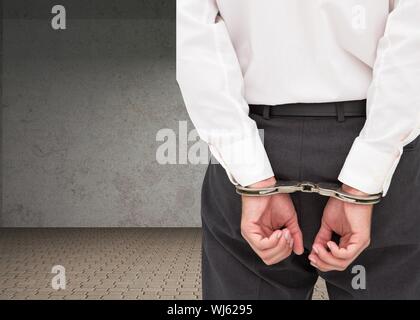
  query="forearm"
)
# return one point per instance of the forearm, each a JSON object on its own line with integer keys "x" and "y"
{"x": 211, "y": 82}
{"x": 393, "y": 104}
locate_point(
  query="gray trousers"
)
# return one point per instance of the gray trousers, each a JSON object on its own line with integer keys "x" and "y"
{"x": 314, "y": 149}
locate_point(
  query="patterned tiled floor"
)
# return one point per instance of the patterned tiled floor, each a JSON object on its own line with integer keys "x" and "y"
{"x": 135, "y": 263}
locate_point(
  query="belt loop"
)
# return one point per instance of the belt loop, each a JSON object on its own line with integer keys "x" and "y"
{"x": 339, "y": 108}
{"x": 266, "y": 112}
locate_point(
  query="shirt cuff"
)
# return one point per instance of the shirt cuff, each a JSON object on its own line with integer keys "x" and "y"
{"x": 245, "y": 161}
{"x": 369, "y": 169}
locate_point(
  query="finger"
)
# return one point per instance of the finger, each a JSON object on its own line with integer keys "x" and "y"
{"x": 283, "y": 251}
{"x": 329, "y": 260}
{"x": 287, "y": 236}
{"x": 324, "y": 235}
{"x": 283, "y": 244}
{"x": 269, "y": 255}
{"x": 266, "y": 230}
{"x": 267, "y": 252}
{"x": 259, "y": 242}
{"x": 291, "y": 244}
{"x": 350, "y": 252}
{"x": 280, "y": 256}
{"x": 296, "y": 234}
{"x": 320, "y": 265}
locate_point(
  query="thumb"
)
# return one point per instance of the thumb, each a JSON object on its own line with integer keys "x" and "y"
{"x": 296, "y": 234}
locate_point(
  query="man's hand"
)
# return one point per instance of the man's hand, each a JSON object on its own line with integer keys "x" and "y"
{"x": 352, "y": 223}
{"x": 262, "y": 219}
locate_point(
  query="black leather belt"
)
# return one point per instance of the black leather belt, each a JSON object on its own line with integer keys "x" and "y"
{"x": 341, "y": 109}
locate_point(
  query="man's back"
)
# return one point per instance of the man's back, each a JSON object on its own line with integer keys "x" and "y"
{"x": 305, "y": 51}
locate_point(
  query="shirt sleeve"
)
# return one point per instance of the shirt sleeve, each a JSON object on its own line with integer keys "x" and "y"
{"x": 211, "y": 82}
{"x": 393, "y": 104}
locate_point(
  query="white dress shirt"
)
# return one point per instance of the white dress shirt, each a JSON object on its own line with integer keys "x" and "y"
{"x": 231, "y": 53}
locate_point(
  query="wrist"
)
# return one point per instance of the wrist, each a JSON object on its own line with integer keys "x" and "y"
{"x": 353, "y": 191}
{"x": 264, "y": 183}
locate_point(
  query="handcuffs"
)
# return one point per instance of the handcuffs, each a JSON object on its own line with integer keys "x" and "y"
{"x": 323, "y": 188}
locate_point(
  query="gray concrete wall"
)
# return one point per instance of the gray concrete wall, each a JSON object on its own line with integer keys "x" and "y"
{"x": 81, "y": 109}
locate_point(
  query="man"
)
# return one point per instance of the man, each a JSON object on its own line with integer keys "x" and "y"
{"x": 334, "y": 85}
